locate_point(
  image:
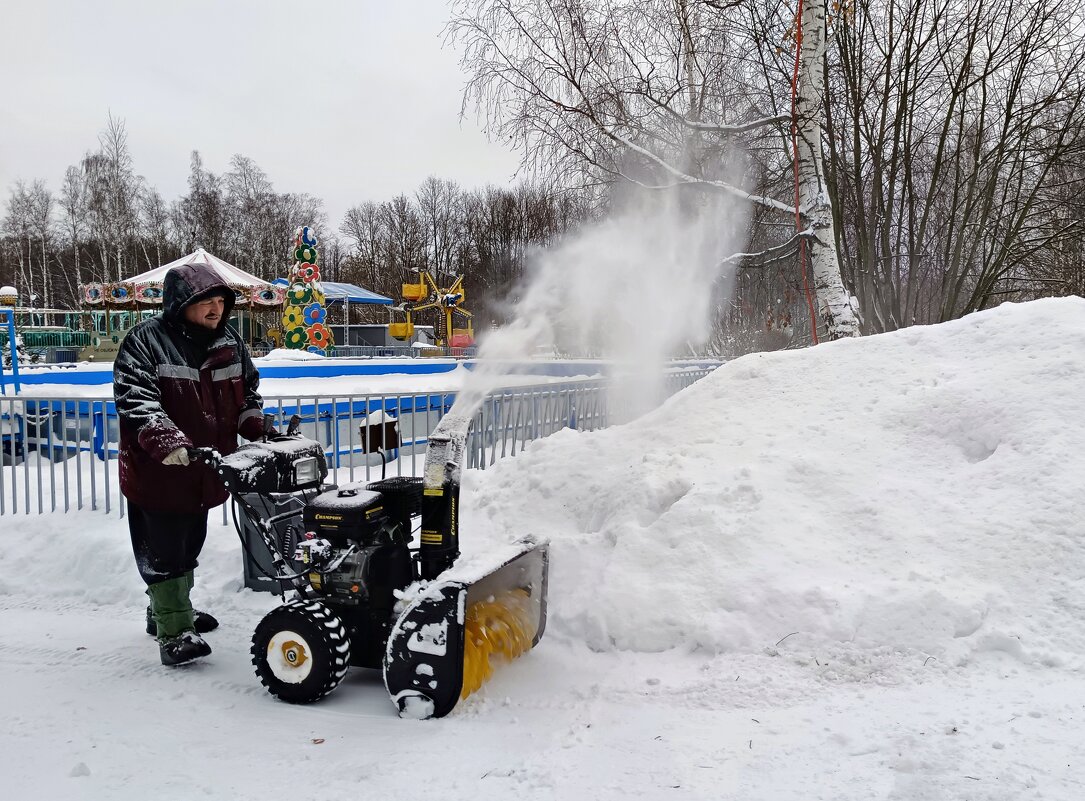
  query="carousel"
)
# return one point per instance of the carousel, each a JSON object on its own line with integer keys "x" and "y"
{"x": 115, "y": 307}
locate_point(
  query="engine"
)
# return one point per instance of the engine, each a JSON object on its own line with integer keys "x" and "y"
{"x": 357, "y": 541}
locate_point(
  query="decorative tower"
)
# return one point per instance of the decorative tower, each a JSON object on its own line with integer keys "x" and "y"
{"x": 305, "y": 313}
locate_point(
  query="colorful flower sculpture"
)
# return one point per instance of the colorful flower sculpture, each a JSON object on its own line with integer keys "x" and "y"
{"x": 296, "y": 338}
{"x": 319, "y": 336}
{"x": 305, "y": 315}
{"x": 300, "y": 294}
{"x": 315, "y": 313}
{"x": 293, "y": 316}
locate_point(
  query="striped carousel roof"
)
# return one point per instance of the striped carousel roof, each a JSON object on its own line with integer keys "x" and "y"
{"x": 231, "y": 275}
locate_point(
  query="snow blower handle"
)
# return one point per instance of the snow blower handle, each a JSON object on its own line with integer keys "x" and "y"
{"x": 208, "y": 456}
{"x": 213, "y": 459}
{"x": 269, "y": 430}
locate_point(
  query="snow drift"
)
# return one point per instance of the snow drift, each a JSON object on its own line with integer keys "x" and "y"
{"x": 851, "y": 572}
{"x": 918, "y": 490}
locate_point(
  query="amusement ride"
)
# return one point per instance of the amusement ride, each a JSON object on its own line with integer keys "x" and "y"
{"x": 427, "y": 295}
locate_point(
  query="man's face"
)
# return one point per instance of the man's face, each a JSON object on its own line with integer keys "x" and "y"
{"x": 206, "y": 312}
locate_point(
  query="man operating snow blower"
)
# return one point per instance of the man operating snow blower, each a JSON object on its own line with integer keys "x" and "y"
{"x": 182, "y": 379}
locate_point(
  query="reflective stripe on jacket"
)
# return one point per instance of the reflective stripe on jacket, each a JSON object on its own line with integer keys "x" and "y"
{"x": 173, "y": 392}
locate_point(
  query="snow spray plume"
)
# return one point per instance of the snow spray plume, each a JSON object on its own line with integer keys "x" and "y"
{"x": 634, "y": 289}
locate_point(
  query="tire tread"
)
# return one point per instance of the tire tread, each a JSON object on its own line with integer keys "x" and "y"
{"x": 323, "y": 629}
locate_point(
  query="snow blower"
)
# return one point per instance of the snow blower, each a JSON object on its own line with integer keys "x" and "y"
{"x": 360, "y": 595}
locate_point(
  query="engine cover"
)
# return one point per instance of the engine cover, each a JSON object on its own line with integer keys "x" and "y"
{"x": 350, "y": 512}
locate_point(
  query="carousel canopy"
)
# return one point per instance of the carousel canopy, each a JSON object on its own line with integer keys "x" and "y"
{"x": 234, "y": 276}
{"x": 335, "y": 292}
{"x": 146, "y": 288}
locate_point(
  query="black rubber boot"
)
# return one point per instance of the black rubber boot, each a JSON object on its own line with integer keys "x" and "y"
{"x": 202, "y": 621}
{"x": 185, "y": 647}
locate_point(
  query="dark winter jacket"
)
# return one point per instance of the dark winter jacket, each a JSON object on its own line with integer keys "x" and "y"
{"x": 176, "y": 385}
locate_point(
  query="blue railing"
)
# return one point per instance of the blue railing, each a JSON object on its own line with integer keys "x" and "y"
{"x": 7, "y": 321}
{"x": 59, "y": 453}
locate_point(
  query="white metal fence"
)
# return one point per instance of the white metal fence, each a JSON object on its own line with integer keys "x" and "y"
{"x": 59, "y": 453}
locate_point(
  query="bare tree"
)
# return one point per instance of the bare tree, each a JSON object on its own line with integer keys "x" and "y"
{"x": 332, "y": 255}
{"x": 288, "y": 211}
{"x": 406, "y": 237}
{"x": 952, "y": 127}
{"x": 1058, "y": 265}
{"x": 365, "y": 225}
{"x": 155, "y": 228}
{"x": 18, "y": 224}
{"x": 40, "y": 208}
{"x": 837, "y": 306}
{"x": 439, "y": 210}
{"x": 252, "y": 201}
{"x": 73, "y": 207}
{"x": 483, "y": 235}
{"x": 113, "y": 192}
{"x": 657, "y": 94}
{"x": 203, "y": 214}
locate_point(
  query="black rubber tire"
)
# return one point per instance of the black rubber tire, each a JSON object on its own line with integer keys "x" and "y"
{"x": 327, "y": 648}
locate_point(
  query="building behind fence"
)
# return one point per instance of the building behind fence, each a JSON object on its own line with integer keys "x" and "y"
{"x": 59, "y": 454}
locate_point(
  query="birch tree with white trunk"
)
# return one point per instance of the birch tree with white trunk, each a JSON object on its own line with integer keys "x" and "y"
{"x": 836, "y": 306}
{"x": 41, "y": 220}
{"x": 73, "y": 206}
{"x": 18, "y": 226}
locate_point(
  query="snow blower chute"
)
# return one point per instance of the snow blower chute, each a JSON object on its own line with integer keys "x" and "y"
{"x": 361, "y": 596}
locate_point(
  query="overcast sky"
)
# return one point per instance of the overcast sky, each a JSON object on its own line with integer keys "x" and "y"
{"x": 347, "y": 100}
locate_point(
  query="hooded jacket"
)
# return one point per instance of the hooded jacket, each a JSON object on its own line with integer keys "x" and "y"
{"x": 176, "y": 385}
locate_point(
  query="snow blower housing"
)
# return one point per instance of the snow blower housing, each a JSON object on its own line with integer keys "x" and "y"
{"x": 362, "y": 596}
{"x": 280, "y": 465}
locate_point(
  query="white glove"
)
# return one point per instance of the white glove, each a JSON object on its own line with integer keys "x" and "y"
{"x": 179, "y": 456}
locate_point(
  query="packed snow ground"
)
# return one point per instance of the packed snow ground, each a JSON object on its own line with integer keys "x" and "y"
{"x": 851, "y": 572}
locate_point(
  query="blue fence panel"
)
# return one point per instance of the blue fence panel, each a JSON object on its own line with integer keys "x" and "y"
{"x": 60, "y": 453}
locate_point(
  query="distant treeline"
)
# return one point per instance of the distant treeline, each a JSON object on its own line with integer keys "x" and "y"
{"x": 107, "y": 223}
